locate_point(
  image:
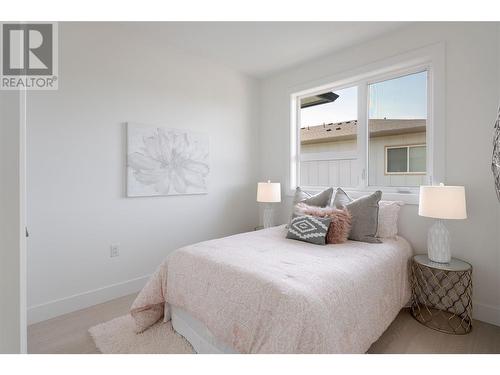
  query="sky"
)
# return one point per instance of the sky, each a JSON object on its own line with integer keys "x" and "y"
{"x": 400, "y": 98}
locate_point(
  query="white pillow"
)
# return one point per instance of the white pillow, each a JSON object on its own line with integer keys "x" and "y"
{"x": 388, "y": 213}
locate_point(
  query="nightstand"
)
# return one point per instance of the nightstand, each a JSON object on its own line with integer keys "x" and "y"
{"x": 441, "y": 294}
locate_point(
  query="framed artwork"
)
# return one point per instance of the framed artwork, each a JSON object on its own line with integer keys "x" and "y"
{"x": 166, "y": 161}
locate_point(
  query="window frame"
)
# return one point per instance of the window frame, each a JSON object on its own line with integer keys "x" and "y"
{"x": 407, "y": 173}
{"x": 431, "y": 59}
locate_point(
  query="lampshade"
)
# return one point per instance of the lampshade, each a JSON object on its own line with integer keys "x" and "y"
{"x": 442, "y": 202}
{"x": 268, "y": 192}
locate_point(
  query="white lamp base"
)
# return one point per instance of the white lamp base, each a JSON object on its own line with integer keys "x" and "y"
{"x": 438, "y": 243}
{"x": 268, "y": 216}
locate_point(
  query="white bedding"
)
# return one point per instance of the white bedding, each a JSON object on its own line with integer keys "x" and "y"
{"x": 259, "y": 292}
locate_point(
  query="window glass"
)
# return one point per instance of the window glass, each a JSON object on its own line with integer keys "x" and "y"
{"x": 397, "y": 160}
{"x": 328, "y": 139}
{"x": 397, "y": 117}
{"x": 396, "y": 128}
{"x": 417, "y": 159}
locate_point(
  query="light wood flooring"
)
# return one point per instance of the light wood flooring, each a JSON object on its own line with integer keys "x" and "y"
{"x": 68, "y": 334}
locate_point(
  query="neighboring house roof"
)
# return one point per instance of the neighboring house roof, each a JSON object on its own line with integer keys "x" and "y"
{"x": 348, "y": 130}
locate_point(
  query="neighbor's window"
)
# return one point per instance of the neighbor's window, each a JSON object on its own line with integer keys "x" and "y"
{"x": 405, "y": 159}
{"x": 392, "y": 116}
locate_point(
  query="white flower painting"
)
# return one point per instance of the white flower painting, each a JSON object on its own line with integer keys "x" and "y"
{"x": 164, "y": 161}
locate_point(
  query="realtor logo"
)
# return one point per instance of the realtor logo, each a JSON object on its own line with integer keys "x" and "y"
{"x": 29, "y": 56}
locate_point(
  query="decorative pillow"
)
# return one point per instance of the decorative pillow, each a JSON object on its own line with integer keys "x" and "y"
{"x": 340, "y": 226}
{"x": 322, "y": 199}
{"x": 309, "y": 229}
{"x": 364, "y": 212}
{"x": 341, "y": 220}
{"x": 388, "y": 213}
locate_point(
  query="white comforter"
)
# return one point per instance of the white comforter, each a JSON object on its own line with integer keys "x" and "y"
{"x": 259, "y": 292}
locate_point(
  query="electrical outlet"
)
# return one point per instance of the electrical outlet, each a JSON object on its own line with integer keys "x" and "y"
{"x": 114, "y": 250}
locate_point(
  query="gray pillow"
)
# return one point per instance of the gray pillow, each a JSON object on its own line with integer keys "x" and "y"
{"x": 322, "y": 199}
{"x": 364, "y": 212}
{"x": 309, "y": 229}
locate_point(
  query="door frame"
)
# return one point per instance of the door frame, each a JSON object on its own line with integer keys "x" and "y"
{"x": 23, "y": 277}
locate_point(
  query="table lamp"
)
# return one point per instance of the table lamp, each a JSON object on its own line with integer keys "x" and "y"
{"x": 441, "y": 202}
{"x": 268, "y": 193}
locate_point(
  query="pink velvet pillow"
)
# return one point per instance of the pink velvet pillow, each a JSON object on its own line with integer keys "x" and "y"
{"x": 340, "y": 226}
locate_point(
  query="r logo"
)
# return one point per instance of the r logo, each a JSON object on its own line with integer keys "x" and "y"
{"x": 27, "y": 49}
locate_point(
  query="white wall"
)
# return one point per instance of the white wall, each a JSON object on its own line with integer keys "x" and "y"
{"x": 111, "y": 74}
{"x": 12, "y": 251}
{"x": 472, "y": 95}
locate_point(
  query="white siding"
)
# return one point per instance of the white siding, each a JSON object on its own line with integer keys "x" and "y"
{"x": 335, "y": 163}
{"x": 349, "y": 145}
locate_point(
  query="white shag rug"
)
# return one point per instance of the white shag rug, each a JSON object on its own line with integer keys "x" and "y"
{"x": 118, "y": 337}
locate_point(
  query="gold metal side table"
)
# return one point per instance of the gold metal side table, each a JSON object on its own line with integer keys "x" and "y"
{"x": 441, "y": 294}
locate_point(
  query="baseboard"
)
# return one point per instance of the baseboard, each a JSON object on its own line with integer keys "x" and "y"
{"x": 486, "y": 313}
{"x": 80, "y": 301}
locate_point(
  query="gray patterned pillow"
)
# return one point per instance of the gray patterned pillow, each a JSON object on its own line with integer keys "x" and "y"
{"x": 309, "y": 229}
{"x": 364, "y": 212}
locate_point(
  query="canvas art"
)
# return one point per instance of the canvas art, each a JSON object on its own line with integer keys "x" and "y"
{"x": 165, "y": 161}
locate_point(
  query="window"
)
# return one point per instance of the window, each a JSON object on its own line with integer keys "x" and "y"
{"x": 328, "y": 139}
{"x": 366, "y": 135}
{"x": 405, "y": 159}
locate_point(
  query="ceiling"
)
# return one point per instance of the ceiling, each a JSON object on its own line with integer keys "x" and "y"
{"x": 262, "y": 48}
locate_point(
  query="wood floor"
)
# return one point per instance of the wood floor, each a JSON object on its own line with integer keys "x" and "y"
{"x": 68, "y": 334}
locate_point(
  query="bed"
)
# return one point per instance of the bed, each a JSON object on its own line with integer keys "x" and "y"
{"x": 259, "y": 292}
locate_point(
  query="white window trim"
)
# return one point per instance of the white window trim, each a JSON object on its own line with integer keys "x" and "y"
{"x": 407, "y": 172}
{"x": 430, "y": 58}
